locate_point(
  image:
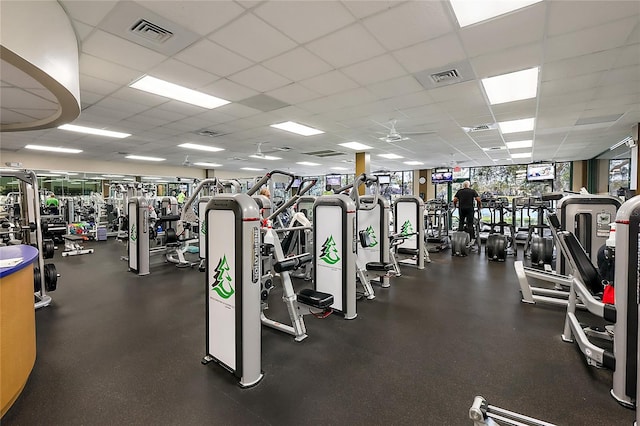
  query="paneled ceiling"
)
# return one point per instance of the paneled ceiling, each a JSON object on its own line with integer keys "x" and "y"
{"x": 348, "y": 68}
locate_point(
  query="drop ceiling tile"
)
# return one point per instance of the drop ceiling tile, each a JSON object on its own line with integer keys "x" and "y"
{"x": 523, "y": 27}
{"x": 624, "y": 101}
{"x": 305, "y": 21}
{"x": 252, "y": 38}
{"x": 96, "y": 85}
{"x": 122, "y": 52}
{"x": 88, "y": 12}
{"x": 566, "y": 17}
{"x": 590, "y": 40}
{"x": 586, "y": 64}
{"x": 293, "y": 93}
{"x": 572, "y": 84}
{"x": 214, "y": 116}
{"x": 347, "y": 46}
{"x": 297, "y": 64}
{"x": 182, "y": 74}
{"x": 396, "y": 87}
{"x": 123, "y": 106}
{"x": 237, "y": 110}
{"x": 513, "y": 110}
{"x": 105, "y": 70}
{"x": 613, "y": 90}
{"x": 466, "y": 90}
{"x": 508, "y": 60}
{"x": 46, "y": 94}
{"x": 38, "y": 114}
{"x": 381, "y": 68}
{"x": 421, "y": 20}
{"x": 629, "y": 75}
{"x": 629, "y": 55}
{"x": 229, "y": 90}
{"x": 200, "y": 16}
{"x": 291, "y": 113}
{"x": 259, "y": 78}
{"x": 409, "y": 100}
{"x": 364, "y": 8}
{"x": 211, "y": 57}
{"x": 567, "y": 99}
{"x": 104, "y": 115}
{"x": 329, "y": 83}
{"x": 431, "y": 54}
{"x": 13, "y": 76}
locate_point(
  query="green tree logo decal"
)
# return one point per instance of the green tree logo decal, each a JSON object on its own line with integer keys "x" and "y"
{"x": 133, "y": 234}
{"x": 372, "y": 235}
{"x": 203, "y": 228}
{"x": 407, "y": 228}
{"x": 329, "y": 252}
{"x": 222, "y": 284}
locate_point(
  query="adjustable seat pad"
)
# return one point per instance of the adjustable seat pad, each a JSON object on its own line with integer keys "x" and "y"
{"x": 316, "y": 299}
{"x": 293, "y": 262}
{"x": 413, "y": 252}
{"x": 379, "y": 266}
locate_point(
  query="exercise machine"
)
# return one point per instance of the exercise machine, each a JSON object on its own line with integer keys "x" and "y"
{"x": 499, "y": 243}
{"x": 627, "y": 282}
{"x": 588, "y": 217}
{"x": 437, "y": 225}
{"x": 624, "y": 315}
{"x": 461, "y": 244}
{"x": 30, "y": 226}
{"x": 484, "y": 414}
{"x": 408, "y": 213}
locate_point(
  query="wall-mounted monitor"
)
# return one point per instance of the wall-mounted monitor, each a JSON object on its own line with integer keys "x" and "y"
{"x": 384, "y": 179}
{"x": 334, "y": 181}
{"x": 441, "y": 177}
{"x": 464, "y": 173}
{"x": 540, "y": 171}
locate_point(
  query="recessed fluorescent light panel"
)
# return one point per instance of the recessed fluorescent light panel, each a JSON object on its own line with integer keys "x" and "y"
{"x": 179, "y": 93}
{"x": 522, "y": 155}
{"x": 413, "y": 163}
{"x": 112, "y": 176}
{"x": 54, "y": 149}
{"x": 152, "y": 178}
{"x": 200, "y": 147}
{"x": 519, "y": 144}
{"x": 143, "y": 158}
{"x": 390, "y": 156}
{"x": 355, "y": 145}
{"x": 470, "y": 12}
{"x": 64, "y": 173}
{"x": 265, "y": 157}
{"x": 515, "y": 126}
{"x": 339, "y": 168}
{"x": 494, "y": 148}
{"x": 207, "y": 164}
{"x": 299, "y": 129}
{"x": 511, "y": 87}
{"x": 92, "y": 131}
{"x": 253, "y": 169}
{"x": 307, "y": 163}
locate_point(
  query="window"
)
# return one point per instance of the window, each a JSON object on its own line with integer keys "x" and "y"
{"x": 619, "y": 175}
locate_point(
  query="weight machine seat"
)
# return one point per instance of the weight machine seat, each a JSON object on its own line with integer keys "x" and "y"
{"x": 589, "y": 274}
{"x": 552, "y": 196}
{"x": 293, "y": 262}
{"x": 73, "y": 237}
{"x": 412, "y": 252}
{"x": 315, "y": 299}
{"x": 379, "y": 266}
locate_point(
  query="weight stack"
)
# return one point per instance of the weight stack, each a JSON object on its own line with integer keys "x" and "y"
{"x": 496, "y": 247}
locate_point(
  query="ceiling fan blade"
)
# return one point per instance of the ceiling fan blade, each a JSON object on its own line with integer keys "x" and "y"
{"x": 430, "y": 132}
{"x": 383, "y": 125}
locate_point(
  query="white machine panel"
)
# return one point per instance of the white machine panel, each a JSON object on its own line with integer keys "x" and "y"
{"x": 133, "y": 236}
{"x": 406, "y": 222}
{"x": 328, "y": 252}
{"x": 369, "y": 220}
{"x": 221, "y": 284}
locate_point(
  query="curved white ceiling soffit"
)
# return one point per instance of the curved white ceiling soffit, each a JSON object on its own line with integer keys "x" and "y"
{"x": 39, "y": 70}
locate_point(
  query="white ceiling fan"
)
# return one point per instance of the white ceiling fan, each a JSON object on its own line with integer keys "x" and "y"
{"x": 394, "y": 135}
{"x": 186, "y": 162}
{"x": 263, "y": 154}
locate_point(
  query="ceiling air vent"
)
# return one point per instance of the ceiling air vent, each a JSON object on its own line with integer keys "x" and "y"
{"x": 445, "y": 76}
{"x": 151, "y": 31}
{"x": 325, "y": 153}
{"x": 208, "y": 133}
{"x": 480, "y": 128}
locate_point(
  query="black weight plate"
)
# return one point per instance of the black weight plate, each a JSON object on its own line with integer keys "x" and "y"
{"x": 537, "y": 250}
{"x": 459, "y": 241}
{"x": 44, "y": 226}
{"x": 547, "y": 252}
{"x": 48, "y": 249}
{"x": 171, "y": 235}
{"x": 37, "y": 279}
{"x": 50, "y": 277}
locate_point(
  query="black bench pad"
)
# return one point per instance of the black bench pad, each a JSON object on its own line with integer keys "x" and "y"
{"x": 379, "y": 266}
{"x": 316, "y": 299}
{"x": 413, "y": 252}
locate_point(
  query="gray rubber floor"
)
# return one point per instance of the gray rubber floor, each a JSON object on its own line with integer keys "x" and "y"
{"x": 115, "y": 348}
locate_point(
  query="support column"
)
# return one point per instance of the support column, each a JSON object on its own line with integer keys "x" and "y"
{"x": 579, "y": 175}
{"x": 635, "y": 159}
{"x": 363, "y": 165}
{"x": 592, "y": 176}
